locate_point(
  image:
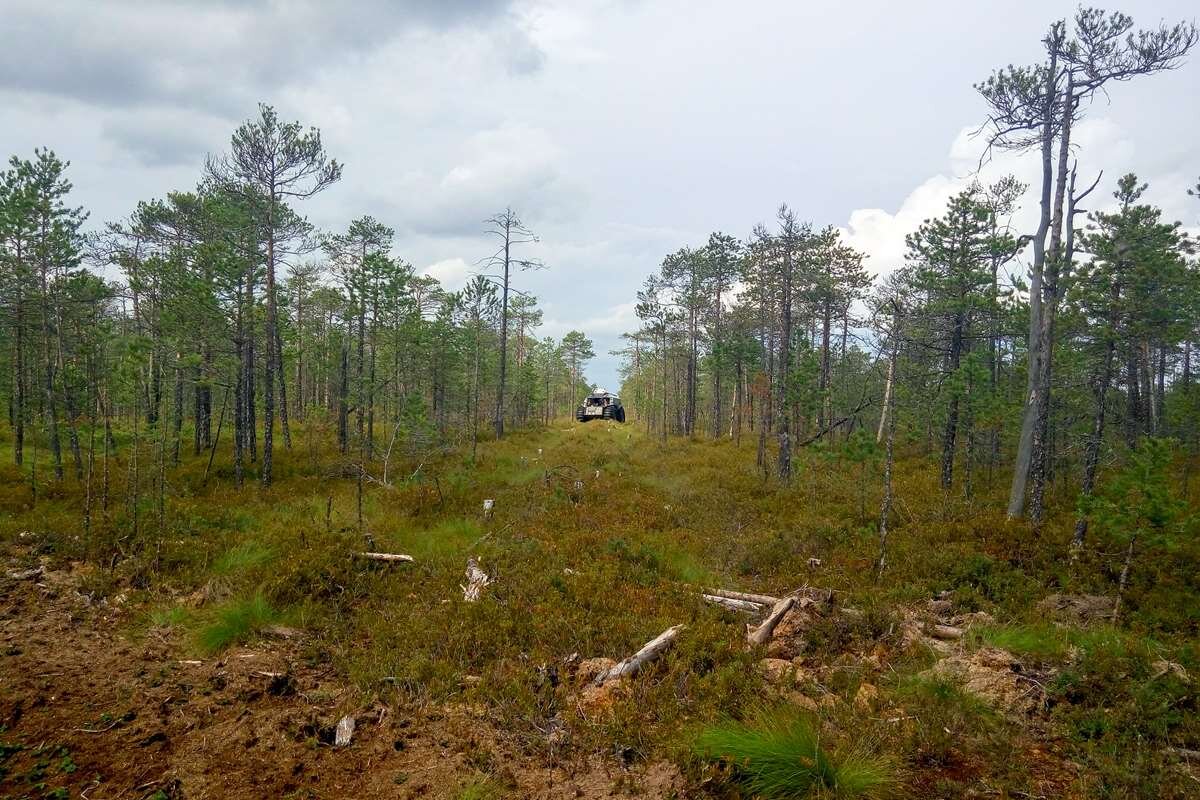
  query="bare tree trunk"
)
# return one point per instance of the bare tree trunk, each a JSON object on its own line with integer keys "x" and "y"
{"x": 343, "y": 399}
{"x": 1034, "y": 389}
{"x": 826, "y": 322}
{"x": 889, "y": 413}
{"x": 1091, "y": 459}
{"x": 498, "y": 420}
{"x": 283, "y": 404}
{"x": 887, "y": 398}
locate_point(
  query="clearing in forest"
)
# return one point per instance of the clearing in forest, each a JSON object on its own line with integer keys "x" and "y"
{"x": 247, "y": 650}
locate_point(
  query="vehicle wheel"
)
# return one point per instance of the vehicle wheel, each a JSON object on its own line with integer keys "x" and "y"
{"x": 608, "y": 412}
{"x": 621, "y": 414}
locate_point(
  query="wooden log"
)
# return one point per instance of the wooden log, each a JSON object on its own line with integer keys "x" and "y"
{"x": 944, "y": 631}
{"x": 734, "y": 604}
{"x": 26, "y": 574}
{"x": 477, "y": 580}
{"x": 760, "y": 599}
{"x": 649, "y": 652}
{"x": 385, "y": 557}
{"x": 762, "y": 634}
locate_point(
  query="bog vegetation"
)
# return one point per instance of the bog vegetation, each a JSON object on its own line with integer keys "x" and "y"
{"x": 956, "y": 505}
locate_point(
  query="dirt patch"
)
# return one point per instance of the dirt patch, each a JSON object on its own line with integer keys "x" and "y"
{"x": 91, "y": 710}
{"x": 996, "y": 676}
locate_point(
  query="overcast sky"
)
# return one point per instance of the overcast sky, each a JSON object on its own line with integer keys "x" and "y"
{"x": 620, "y": 130}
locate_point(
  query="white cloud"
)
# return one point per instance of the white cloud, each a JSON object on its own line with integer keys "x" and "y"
{"x": 451, "y": 272}
{"x": 1098, "y": 141}
{"x": 616, "y": 320}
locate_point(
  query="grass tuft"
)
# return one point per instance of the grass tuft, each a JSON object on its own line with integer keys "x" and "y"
{"x": 235, "y": 622}
{"x": 779, "y": 756}
{"x": 244, "y": 557}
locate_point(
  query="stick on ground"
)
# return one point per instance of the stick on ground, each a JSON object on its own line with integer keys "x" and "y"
{"x": 649, "y": 652}
{"x": 385, "y": 557}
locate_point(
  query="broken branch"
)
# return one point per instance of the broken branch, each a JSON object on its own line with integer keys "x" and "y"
{"x": 649, "y": 652}
{"x": 385, "y": 557}
{"x": 762, "y": 634}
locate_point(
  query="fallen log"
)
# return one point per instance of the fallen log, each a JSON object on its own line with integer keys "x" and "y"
{"x": 477, "y": 580}
{"x": 649, "y": 652}
{"x": 944, "y": 631}
{"x": 734, "y": 604}
{"x": 385, "y": 557}
{"x": 760, "y": 599}
{"x": 762, "y": 634}
{"x": 26, "y": 574}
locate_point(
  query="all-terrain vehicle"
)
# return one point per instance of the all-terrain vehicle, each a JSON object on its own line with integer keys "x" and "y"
{"x": 600, "y": 405}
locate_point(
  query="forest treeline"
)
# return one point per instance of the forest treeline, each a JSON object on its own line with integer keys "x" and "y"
{"x": 221, "y": 312}
{"x": 1010, "y": 355}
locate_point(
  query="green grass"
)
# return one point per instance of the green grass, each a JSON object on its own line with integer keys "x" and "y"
{"x": 235, "y": 622}
{"x": 242, "y": 558}
{"x": 1056, "y": 643}
{"x": 169, "y": 616}
{"x": 450, "y": 538}
{"x": 1041, "y": 641}
{"x": 480, "y": 789}
{"x": 779, "y": 756}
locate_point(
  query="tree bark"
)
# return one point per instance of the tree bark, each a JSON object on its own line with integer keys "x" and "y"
{"x": 1033, "y": 400}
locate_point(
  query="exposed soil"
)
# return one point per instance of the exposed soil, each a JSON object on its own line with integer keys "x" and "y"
{"x": 141, "y": 718}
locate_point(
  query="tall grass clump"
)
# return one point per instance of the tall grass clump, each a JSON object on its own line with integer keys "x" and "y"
{"x": 235, "y": 622}
{"x": 242, "y": 558}
{"x": 778, "y": 756}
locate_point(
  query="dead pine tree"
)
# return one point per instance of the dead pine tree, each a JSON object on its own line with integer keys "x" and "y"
{"x": 511, "y": 232}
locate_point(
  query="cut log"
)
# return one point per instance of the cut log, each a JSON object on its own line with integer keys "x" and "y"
{"x": 385, "y": 556}
{"x": 477, "y": 580}
{"x": 488, "y": 506}
{"x": 762, "y": 634}
{"x": 734, "y": 604}
{"x": 344, "y": 731}
{"x": 26, "y": 574}
{"x": 649, "y": 652}
{"x": 760, "y": 599}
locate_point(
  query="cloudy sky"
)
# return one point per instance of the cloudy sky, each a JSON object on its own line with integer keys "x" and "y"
{"x": 619, "y": 129}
